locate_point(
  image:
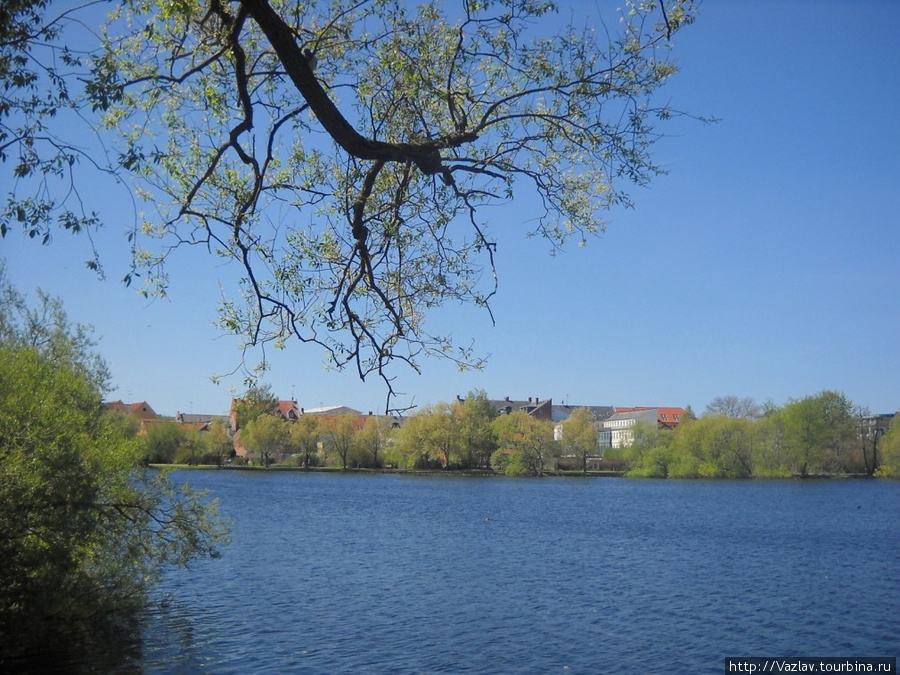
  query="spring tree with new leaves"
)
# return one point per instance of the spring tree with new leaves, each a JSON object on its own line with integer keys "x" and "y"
{"x": 303, "y": 439}
{"x": 890, "y": 451}
{"x": 372, "y": 439}
{"x": 580, "y": 437}
{"x": 86, "y": 529}
{"x": 431, "y": 437}
{"x": 477, "y": 441}
{"x": 341, "y": 155}
{"x": 267, "y": 437}
{"x": 525, "y": 445}
{"x": 339, "y": 437}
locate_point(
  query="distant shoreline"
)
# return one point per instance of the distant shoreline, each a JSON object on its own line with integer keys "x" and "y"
{"x": 483, "y": 473}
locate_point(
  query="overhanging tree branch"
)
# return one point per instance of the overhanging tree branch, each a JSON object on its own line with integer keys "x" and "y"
{"x": 344, "y": 238}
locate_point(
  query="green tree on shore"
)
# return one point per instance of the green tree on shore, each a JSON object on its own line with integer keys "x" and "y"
{"x": 257, "y": 401}
{"x": 372, "y": 439}
{"x": 267, "y": 436}
{"x": 412, "y": 449}
{"x": 431, "y": 437}
{"x": 580, "y": 437}
{"x": 890, "y": 451}
{"x": 85, "y": 529}
{"x": 650, "y": 453}
{"x": 304, "y": 439}
{"x": 526, "y": 445}
{"x": 477, "y": 441}
{"x": 440, "y": 436}
{"x": 717, "y": 446}
{"x": 218, "y": 442}
{"x": 820, "y": 431}
{"x": 338, "y": 434}
{"x": 814, "y": 435}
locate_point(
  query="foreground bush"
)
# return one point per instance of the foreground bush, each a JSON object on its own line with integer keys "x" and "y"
{"x": 84, "y": 530}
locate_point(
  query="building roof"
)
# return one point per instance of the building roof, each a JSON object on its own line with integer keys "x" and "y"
{"x": 637, "y": 414}
{"x": 598, "y": 412}
{"x": 288, "y": 410}
{"x": 533, "y": 406}
{"x": 501, "y": 405}
{"x": 330, "y": 410}
{"x": 140, "y": 409}
{"x": 192, "y": 418}
{"x": 668, "y": 417}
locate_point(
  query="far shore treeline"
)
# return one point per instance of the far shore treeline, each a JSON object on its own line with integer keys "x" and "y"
{"x": 818, "y": 435}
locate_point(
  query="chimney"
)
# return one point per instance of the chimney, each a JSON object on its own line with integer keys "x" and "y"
{"x": 506, "y": 398}
{"x": 529, "y": 399}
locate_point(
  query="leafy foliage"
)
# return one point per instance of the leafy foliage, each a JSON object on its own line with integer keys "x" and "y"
{"x": 39, "y": 76}
{"x": 372, "y": 439}
{"x": 476, "y": 436}
{"x": 890, "y": 451}
{"x": 341, "y": 154}
{"x": 256, "y": 402}
{"x": 162, "y": 442}
{"x": 815, "y": 435}
{"x": 217, "y": 442}
{"x": 580, "y": 436}
{"x": 820, "y": 430}
{"x": 526, "y": 445}
{"x": 267, "y": 436}
{"x": 437, "y": 436}
{"x": 457, "y": 435}
{"x": 85, "y": 531}
{"x": 304, "y": 439}
{"x": 338, "y": 435}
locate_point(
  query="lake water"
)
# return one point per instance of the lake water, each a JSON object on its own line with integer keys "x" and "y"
{"x": 409, "y": 574}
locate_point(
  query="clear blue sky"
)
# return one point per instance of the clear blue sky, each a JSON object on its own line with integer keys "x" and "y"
{"x": 765, "y": 264}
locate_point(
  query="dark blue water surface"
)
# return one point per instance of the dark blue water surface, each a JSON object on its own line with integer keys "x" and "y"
{"x": 403, "y": 574}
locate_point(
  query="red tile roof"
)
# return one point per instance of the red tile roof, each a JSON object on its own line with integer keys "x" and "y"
{"x": 141, "y": 409}
{"x": 288, "y": 410}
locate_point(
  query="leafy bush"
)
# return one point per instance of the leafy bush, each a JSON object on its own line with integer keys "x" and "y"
{"x": 85, "y": 529}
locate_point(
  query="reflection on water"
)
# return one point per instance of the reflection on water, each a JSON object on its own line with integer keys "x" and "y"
{"x": 107, "y": 646}
{"x": 375, "y": 574}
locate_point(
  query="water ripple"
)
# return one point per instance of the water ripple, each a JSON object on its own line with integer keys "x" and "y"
{"x": 387, "y": 574}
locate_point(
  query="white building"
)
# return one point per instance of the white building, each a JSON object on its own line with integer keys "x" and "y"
{"x": 619, "y": 428}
